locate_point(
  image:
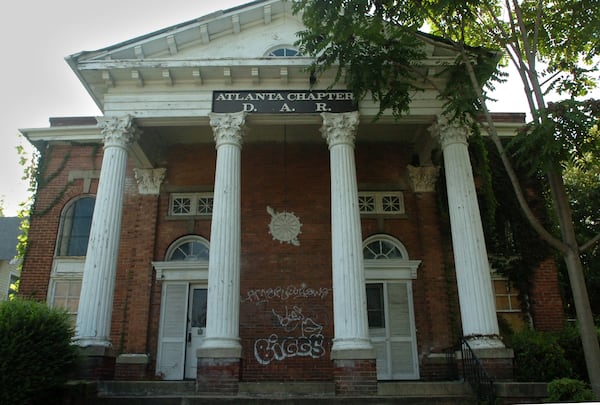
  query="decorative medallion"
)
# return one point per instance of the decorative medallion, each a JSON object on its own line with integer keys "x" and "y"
{"x": 284, "y": 226}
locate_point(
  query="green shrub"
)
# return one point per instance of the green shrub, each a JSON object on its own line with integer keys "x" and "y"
{"x": 36, "y": 353}
{"x": 570, "y": 340}
{"x": 538, "y": 357}
{"x": 568, "y": 389}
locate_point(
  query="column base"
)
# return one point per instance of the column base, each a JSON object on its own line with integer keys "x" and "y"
{"x": 220, "y": 348}
{"x": 355, "y": 377}
{"x": 485, "y": 342}
{"x": 219, "y": 376}
{"x": 358, "y": 346}
{"x": 97, "y": 363}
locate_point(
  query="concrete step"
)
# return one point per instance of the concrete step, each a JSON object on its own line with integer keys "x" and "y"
{"x": 424, "y": 389}
{"x": 293, "y": 389}
{"x": 290, "y": 393}
{"x": 280, "y": 393}
{"x": 146, "y": 388}
{"x": 196, "y": 400}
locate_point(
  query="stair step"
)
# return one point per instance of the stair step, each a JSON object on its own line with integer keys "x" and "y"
{"x": 197, "y": 400}
{"x": 287, "y": 389}
{"x": 424, "y": 389}
{"x": 280, "y": 393}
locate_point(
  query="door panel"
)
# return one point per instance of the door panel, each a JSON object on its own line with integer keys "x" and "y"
{"x": 172, "y": 332}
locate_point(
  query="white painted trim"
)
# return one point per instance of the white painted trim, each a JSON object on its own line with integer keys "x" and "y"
{"x": 181, "y": 270}
{"x": 391, "y": 269}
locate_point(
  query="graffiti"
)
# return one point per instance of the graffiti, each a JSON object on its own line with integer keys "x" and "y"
{"x": 284, "y": 293}
{"x": 308, "y": 344}
{"x": 276, "y": 348}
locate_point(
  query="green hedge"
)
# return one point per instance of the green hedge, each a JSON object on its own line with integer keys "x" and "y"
{"x": 568, "y": 389}
{"x": 538, "y": 357}
{"x": 36, "y": 351}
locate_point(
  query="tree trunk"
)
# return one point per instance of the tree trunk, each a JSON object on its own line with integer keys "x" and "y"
{"x": 587, "y": 329}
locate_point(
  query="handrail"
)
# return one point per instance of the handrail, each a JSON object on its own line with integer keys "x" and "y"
{"x": 476, "y": 376}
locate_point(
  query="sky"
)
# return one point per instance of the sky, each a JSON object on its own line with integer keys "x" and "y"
{"x": 38, "y": 83}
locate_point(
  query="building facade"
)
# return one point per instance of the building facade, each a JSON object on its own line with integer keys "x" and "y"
{"x": 225, "y": 220}
{"x": 10, "y": 229}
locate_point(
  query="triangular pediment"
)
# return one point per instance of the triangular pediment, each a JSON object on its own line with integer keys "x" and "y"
{"x": 217, "y": 48}
{"x": 228, "y": 49}
{"x": 241, "y": 32}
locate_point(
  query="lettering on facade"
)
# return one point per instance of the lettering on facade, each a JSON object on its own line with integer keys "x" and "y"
{"x": 309, "y": 343}
{"x": 283, "y": 101}
{"x": 280, "y": 293}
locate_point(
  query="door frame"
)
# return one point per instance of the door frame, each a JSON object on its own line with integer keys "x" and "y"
{"x": 390, "y": 270}
{"x": 190, "y": 273}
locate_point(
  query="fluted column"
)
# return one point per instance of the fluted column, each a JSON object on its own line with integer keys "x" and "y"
{"x": 96, "y": 299}
{"x": 223, "y": 301}
{"x": 349, "y": 297}
{"x": 477, "y": 301}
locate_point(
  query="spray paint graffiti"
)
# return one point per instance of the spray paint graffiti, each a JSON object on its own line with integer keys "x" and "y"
{"x": 308, "y": 344}
{"x": 284, "y": 293}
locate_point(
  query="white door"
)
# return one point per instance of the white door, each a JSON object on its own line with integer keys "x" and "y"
{"x": 392, "y": 331}
{"x": 195, "y": 328}
{"x": 172, "y": 332}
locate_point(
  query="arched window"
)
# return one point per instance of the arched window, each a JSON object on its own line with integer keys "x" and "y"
{"x": 283, "y": 51}
{"x": 188, "y": 248}
{"x": 76, "y": 222}
{"x": 379, "y": 247}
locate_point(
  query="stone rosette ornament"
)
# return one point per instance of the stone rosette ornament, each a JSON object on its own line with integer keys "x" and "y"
{"x": 284, "y": 226}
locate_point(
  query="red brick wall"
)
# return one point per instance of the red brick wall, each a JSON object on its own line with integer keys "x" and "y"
{"x": 283, "y": 325}
{"x": 286, "y": 314}
{"x": 135, "y": 276}
{"x": 545, "y": 298}
{"x": 189, "y": 168}
{"x": 382, "y": 166}
{"x": 54, "y": 192}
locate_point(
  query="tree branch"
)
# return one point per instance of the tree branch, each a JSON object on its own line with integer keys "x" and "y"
{"x": 491, "y": 129}
{"x": 589, "y": 243}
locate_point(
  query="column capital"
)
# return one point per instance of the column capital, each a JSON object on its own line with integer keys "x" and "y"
{"x": 228, "y": 128}
{"x": 423, "y": 178}
{"x": 118, "y": 131}
{"x": 449, "y": 132}
{"x": 149, "y": 180}
{"x": 339, "y": 128}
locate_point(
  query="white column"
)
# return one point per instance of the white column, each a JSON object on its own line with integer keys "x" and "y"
{"x": 476, "y": 297}
{"x": 223, "y": 301}
{"x": 351, "y": 327}
{"x": 96, "y": 299}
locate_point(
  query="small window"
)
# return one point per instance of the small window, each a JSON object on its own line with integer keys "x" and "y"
{"x": 284, "y": 52}
{"x": 66, "y": 296}
{"x": 191, "y": 204}
{"x": 381, "y": 202}
{"x": 382, "y": 249}
{"x": 375, "y": 307}
{"x": 507, "y": 296}
{"x": 188, "y": 248}
{"x": 76, "y": 223}
{"x": 199, "y": 300}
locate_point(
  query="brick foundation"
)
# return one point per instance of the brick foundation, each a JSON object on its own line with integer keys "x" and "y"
{"x": 97, "y": 363}
{"x": 218, "y": 376}
{"x": 131, "y": 367}
{"x": 501, "y": 369}
{"x": 355, "y": 377}
{"x": 497, "y": 362}
{"x": 438, "y": 367}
